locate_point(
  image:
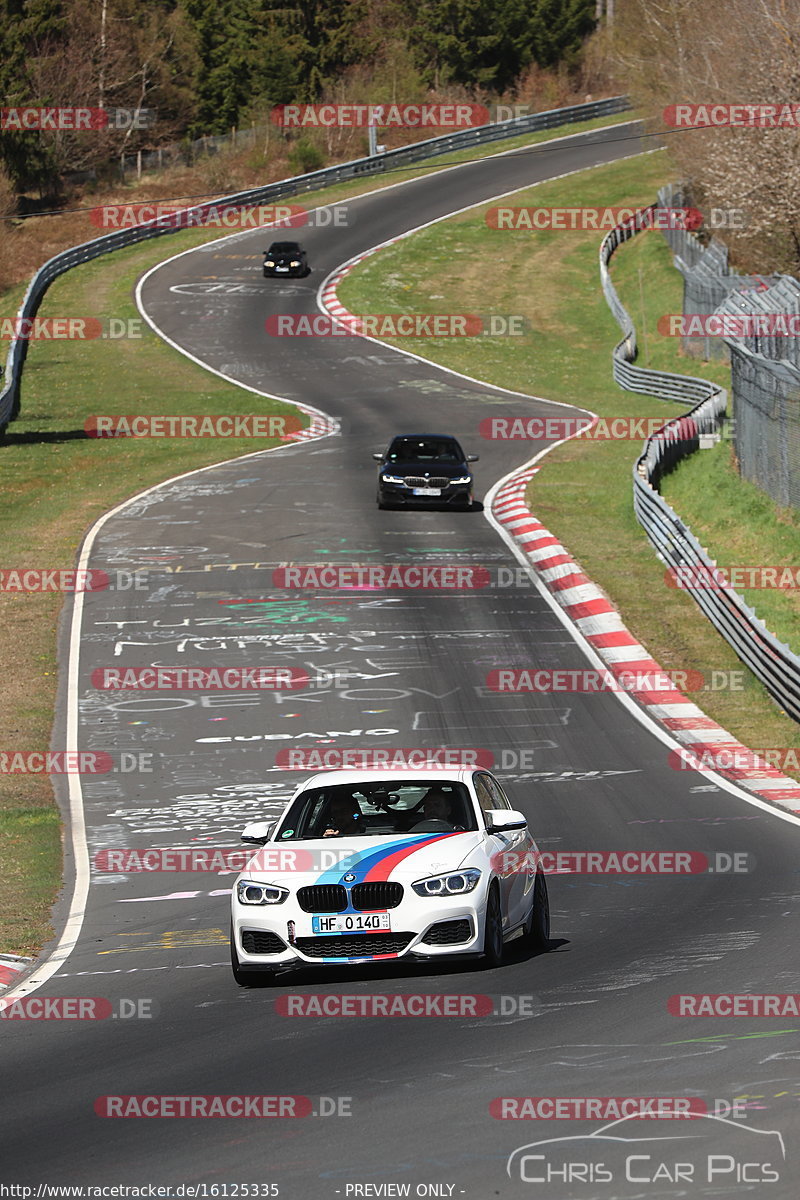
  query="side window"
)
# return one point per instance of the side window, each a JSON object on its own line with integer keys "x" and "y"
{"x": 483, "y": 792}
{"x": 502, "y": 799}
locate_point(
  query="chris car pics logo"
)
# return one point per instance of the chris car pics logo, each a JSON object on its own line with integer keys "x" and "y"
{"x": 715, "y": 1151}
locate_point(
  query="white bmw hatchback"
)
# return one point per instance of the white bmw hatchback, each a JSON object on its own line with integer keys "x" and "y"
{"x": 365, "y": 866}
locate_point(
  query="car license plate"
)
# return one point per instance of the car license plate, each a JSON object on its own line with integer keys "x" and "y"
{"x": 281, "y": 268}
{"x": 427, "y": 491}
{"x": 350, "y": 923}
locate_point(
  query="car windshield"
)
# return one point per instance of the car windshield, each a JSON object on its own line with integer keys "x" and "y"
{"x": 284, "y": 248}
{"x": 382, "y": 808}
{"x": 408, "y": 449}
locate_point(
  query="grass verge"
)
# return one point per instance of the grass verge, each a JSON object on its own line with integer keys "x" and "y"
{"x": 584, "y": 494}
{"x": 740, "y": 525}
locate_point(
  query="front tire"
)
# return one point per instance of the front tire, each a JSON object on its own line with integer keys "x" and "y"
{"x": 537, "y": 928}
{"x": 493, "y": 931}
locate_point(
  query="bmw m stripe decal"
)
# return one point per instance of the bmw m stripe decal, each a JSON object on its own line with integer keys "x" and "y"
{"x": 378, "y": 864}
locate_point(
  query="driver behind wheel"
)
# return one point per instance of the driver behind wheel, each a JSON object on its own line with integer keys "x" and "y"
{"x": 440, "y": 805}
{"x": 345, "y": 818}
{"x": 436, "y": 806}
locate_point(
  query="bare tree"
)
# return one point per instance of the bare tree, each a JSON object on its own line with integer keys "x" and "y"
{"x": 118, "y": 56}
{"x": 740, "y": 52}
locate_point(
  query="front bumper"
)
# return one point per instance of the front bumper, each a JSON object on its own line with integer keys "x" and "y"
{"x": 283, "y": 936}
{"x": 396, "y": 493}
{"x": 285, "y": 273}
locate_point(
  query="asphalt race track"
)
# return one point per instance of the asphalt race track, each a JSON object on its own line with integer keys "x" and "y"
{"x": 410, "y": 1097}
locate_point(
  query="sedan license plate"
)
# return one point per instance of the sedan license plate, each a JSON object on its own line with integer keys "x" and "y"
{"x": 281, "y": 268}
{"x": 350, "y": 923}
{"x": 427, "y": 491}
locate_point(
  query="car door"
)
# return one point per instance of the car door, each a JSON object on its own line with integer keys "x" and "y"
{"x": 525, "y": 854}
{"x": 515, "y": 847}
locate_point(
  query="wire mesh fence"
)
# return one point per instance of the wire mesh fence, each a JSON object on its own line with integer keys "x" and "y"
{"x": 754, "y": 320}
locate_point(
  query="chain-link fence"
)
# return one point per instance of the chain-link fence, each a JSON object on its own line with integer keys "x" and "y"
{"x": 756, "y": 321}
{"x": 187, "y": 152}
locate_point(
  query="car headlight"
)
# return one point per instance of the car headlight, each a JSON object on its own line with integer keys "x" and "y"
{"x": 456, "y": 884}
{"x": 392, "y": 479}
{"x": 248, "y": 892}
{"x": 295, "y": 262}
{"x": 463, "y": 479}
{"x": 269, "y": 262}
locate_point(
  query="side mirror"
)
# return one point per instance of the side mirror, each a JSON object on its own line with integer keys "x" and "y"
{"x": 473, "y": 457}
{"x": 258, "y": 832}
{"x": 498, "y": 820}
{"x": 378, "y": 457}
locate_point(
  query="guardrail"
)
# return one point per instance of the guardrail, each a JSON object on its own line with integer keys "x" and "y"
{"x": 356, "y": 169}
{"x": 772, "y": 662}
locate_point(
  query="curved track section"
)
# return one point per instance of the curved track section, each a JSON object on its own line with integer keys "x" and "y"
{"x": 589, "y": 1019}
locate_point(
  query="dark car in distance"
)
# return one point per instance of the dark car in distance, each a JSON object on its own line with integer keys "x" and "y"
{"x": 285, "y": 258}
{"x": 425, "y": 469}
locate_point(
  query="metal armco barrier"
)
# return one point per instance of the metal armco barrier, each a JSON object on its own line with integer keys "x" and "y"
{"x": 772, "y": 662}
{"x": 356, "y": 169}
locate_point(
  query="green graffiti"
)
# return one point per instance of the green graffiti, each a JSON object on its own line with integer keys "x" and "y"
{"x": 288, "y": 612}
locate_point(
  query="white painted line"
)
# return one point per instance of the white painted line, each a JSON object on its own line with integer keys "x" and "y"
{"x": 616, "y": 654}
{"x": 718, "y": 736}
{"x": 578, "y": 595}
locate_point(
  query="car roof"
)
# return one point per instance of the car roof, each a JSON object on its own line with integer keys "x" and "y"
{"x": 442, "y": 437}
{"x": 398, "y": 774}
